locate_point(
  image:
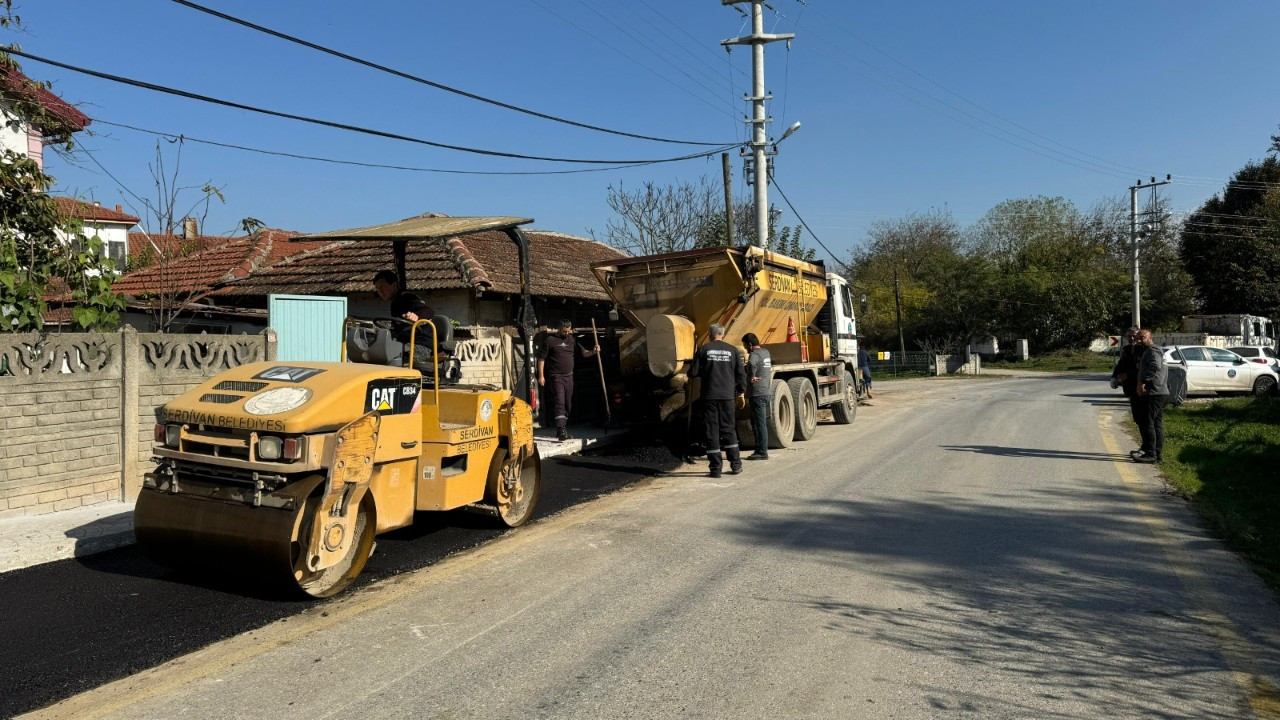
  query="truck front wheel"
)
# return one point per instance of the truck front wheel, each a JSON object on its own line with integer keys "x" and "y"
{"x": 843, "y": 410}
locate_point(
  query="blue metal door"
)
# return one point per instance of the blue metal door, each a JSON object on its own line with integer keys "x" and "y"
{"x": 308, "y": 327}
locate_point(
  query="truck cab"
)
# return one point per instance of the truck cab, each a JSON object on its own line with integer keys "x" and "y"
{"x": 837, "y": 319}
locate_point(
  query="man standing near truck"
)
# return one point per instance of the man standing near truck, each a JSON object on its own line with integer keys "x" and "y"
{"x": 556, "y": 359}
{"x": 724, "y": 377}
{"x": 759, "y": 393}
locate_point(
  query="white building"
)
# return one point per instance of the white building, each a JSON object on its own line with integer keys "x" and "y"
{"x": 111, "y": 226}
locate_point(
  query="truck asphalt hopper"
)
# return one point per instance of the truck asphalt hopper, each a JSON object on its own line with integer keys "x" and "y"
{"x": 289, "y": 469}
{"x": 802, "y": 314}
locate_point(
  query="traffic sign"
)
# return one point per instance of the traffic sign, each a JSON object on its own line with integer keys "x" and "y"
{"x": 1113, "y": 341}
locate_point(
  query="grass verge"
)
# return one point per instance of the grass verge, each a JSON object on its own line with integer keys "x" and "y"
{"x": 1060, "y": 361}
{"x": 1224, "y": 456}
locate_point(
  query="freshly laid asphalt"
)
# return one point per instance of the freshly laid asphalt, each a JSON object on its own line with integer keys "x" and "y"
{"x": 75, "y": 624}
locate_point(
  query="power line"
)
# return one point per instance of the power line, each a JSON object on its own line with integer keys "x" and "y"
{"x": 1014, "y": 140}
{"x": 992, "y": 113}
{"x": 421, "y": 80}
{"x": 614, "y": 48}
{"x": 381, "y": 166}
{"x": 803, "y": 223}
{"x": 341, "y": 126}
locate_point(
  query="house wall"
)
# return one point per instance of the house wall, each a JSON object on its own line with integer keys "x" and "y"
{"x": 12, "y": 138}
{"x": 79, "y": 409}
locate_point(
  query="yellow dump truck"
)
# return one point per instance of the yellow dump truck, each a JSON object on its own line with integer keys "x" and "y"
{"x": 292, "y": 468}
{"x": 802, "y": 314}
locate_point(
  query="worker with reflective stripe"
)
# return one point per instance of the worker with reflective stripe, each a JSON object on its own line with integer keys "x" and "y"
{"x": 724, "y": 377}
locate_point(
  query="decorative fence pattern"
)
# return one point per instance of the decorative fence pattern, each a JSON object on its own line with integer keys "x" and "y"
{"x": 75, "y": 426}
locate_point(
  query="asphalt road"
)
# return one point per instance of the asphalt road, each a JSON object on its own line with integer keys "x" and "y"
{"x": 966, "y": 549}
{"x": 76, "y": 624}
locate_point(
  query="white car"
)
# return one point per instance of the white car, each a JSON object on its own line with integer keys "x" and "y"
{"x": 1259, "y": 354}
{"x": 1211, "y": 369}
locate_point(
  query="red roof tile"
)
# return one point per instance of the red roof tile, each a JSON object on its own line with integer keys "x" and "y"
{"x": 13, "y": 81}
{"x": 72, "y": 207}
{"x": 198, "y": 273}
{"x": 560, "y": 266}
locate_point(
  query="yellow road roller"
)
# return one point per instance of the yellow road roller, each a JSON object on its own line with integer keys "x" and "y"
{"x": 289, "y": 469}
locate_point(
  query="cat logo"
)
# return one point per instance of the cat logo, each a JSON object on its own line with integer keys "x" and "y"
{"x": 382, "y": 399}
{"x": 392, "y": 397}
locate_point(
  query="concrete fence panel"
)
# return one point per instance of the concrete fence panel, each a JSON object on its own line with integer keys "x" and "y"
{"x": 78, "y": 409}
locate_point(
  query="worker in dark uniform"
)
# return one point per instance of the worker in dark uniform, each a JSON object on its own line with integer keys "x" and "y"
{"x": 760, "y": 393}
{"x": 724, "y": 377}
{"x": 556, "y": 359}
{"x": 407, "y": 306}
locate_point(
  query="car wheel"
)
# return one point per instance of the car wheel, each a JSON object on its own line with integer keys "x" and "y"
{"x": 1263, "y": 386}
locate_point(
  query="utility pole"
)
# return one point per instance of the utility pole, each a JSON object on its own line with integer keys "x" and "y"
{"x": 728, "y": 200}
{"x": 760, "y": 119}
{"x": 897, "y": 300}
{"x": 1133, "y": 238}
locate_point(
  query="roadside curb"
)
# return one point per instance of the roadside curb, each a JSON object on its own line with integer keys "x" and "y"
{"x": 38, "y": 539}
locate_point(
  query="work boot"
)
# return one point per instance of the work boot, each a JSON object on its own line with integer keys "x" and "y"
{"x": 735, "y": 469}
{"x": 758, "y": 456}
{"x": 562, "y": 434}
{"x": 1145, "y": 459}
{"x": 714, "y": 474}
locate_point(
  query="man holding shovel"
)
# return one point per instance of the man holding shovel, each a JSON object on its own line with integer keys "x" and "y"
{"x": 556, "y": 359}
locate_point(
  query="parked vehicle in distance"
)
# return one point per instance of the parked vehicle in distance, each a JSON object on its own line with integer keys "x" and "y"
{"x": 1258, "y": 353}
{"x": 1211, "y": 369}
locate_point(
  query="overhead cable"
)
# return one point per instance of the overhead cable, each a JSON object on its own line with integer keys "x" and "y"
{"x": 382, "y": 166}
{"x": 344, "y": 126}
{"x": 424, "y": 81}
{"x": 803, "y": 223}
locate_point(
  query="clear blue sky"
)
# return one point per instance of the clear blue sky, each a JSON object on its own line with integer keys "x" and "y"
{"x": 905, "y": 106}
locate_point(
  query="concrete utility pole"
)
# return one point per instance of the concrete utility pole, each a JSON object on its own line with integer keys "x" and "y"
{"x": 760, "y": 119}
{"x": 1133, "y": 239}
{"x": 728, "y": 199}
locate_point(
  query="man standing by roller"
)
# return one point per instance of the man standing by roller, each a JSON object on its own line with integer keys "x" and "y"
{"x": 760, "y": 393}
{"x": 556, "y": 359}
{"x": 724, "y": 377}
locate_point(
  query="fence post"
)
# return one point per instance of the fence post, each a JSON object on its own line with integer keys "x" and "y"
{"x": 269, "y": 354}
{"x": 130, "y": 371}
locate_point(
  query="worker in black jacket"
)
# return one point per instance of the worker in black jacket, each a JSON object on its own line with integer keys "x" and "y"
{"x": 1125, "y": 375}
{"x": 724, "y": 378}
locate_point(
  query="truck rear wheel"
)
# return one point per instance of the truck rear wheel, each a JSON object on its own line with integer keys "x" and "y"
{"x": 846, "y": 408}
{"x": 806, "y": 404}
{"x": 782, "y": 416}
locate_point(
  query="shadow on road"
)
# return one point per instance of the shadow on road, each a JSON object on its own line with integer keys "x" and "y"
{"x": 1100, "y": 399}
{"x": 1065, "y": 595}
{"x": 1035, "y": 453}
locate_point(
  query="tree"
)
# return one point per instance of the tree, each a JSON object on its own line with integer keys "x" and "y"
{"x": 42, "y": 252}
{"x": 1055, "y": 284}
{"x": 661, "y": 219}
{"x": 683, "y": 216}
{"x": 1231, "y": 244}
{"x": 922, "y": 253}
{"x": 1166, "y": 289}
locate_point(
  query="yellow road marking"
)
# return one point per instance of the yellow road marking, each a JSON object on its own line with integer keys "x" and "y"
{"x": 220, "y": 656}
{"x": 1260, "y": 693}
